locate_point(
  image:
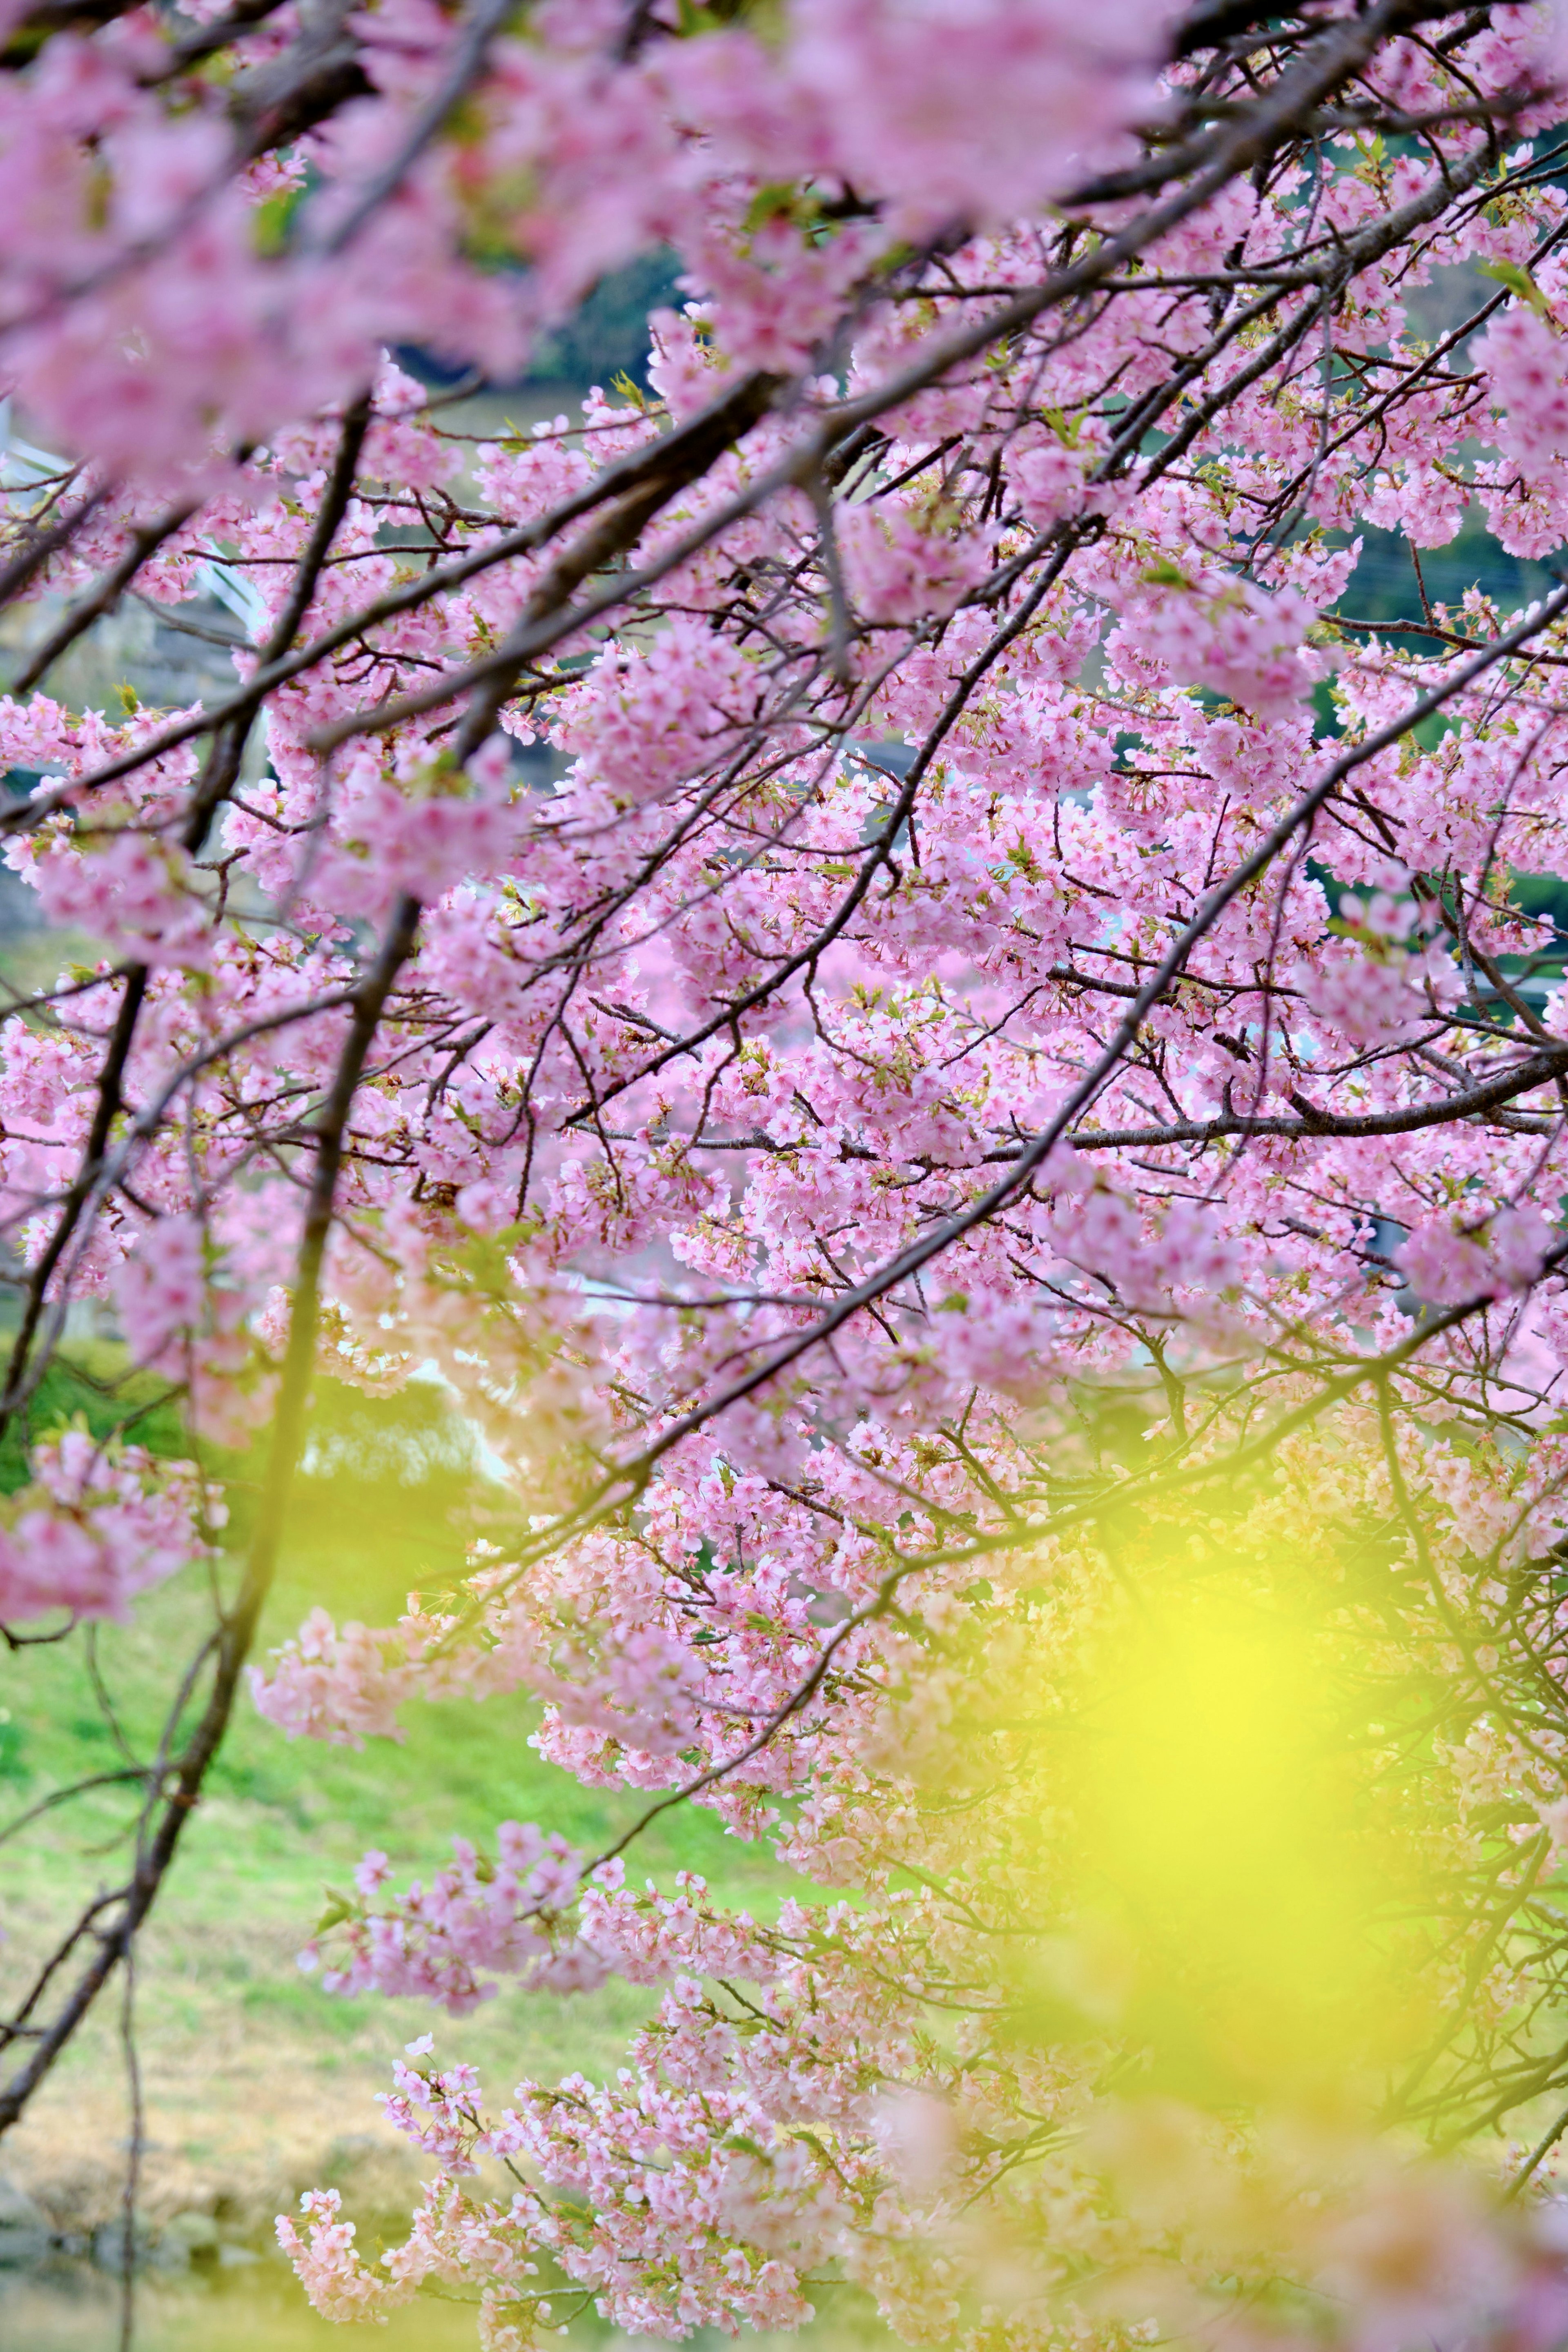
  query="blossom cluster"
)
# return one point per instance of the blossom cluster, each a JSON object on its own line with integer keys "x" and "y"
{"x": 96, "y": 1526}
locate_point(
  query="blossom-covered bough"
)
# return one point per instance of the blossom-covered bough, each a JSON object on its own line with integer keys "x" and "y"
{"x": 865, "y": 950}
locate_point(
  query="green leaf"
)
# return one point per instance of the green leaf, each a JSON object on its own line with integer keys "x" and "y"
{"x": 775, "y": 198}
{"x": 1518, "y": 282}
{"x": 272, "y": 220}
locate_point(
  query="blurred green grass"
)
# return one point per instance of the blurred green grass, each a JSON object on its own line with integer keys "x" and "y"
{"x": 258, "y": 2083}
{"x": 254, "y": 2312}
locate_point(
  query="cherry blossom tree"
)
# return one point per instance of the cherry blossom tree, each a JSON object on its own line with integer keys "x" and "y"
{"x": 936, "y": 1037}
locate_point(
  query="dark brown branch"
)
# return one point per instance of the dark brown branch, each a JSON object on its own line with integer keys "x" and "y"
{"x": 237, "y": 1627}
{"x": 39, "y": 542}
{"x": 221, "y": 771}
{"x": 102, "y": 599}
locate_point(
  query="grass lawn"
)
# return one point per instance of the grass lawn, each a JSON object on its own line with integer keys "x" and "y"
{"x": 255, "y": 2082}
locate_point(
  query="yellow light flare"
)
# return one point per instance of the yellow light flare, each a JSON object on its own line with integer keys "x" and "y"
{"x": 1230, "y": 1849}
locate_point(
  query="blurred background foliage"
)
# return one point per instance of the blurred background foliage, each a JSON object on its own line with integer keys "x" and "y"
{"x": 605, "y": 338}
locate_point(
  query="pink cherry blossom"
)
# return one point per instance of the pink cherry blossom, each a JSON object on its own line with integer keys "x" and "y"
{"x": 883, "y": 947}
